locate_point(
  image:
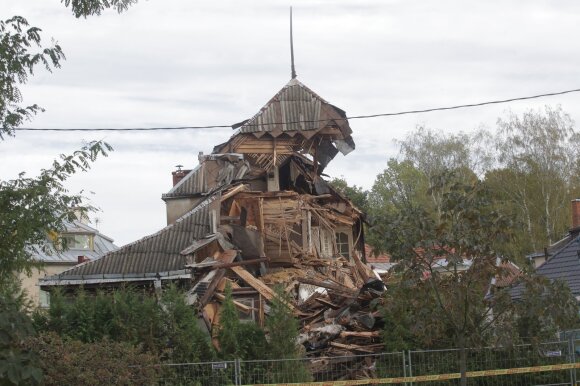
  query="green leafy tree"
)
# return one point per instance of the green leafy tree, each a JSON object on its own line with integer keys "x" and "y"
{"x": 536, "y": 172}
{"x": 33, "y": 209}
{"x": 447, "y": 264}
{"x": 282, "y": 329}
{"x": 401, "y": 185}
{"x": 85, "y": 8}
{"x": 230, "y": 347}
{"x": 545, "y": 309}
{"x": 424, "y": 154}
{"x": 450, "y": 260}
{"x": 30, "y": 208}
{"x": 433, "y": 153}
{"x": 187, "y": 343}
{"x": 241, "y": 340}
{"x": 354, "y": 193}
{"x": 17, "y": 366}
{"x": 167, "y": 328}
{"x": 21, "y": 53}
{"x": 72, "y": 362}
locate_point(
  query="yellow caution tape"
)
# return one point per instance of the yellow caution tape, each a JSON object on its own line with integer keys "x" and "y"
{"x": 435, "y": 377}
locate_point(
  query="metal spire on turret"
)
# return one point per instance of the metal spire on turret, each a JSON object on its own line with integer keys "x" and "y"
{"x": 292, "y": 47}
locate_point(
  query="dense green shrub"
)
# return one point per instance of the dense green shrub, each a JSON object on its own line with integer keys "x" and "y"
{"x": 166, "y": 327}
{"x": 71, "y": 362}
{"x": 241, "y": 340}
{"x": 18, "y": 366}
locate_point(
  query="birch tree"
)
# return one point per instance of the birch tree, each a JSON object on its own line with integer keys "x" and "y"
{"x": 538, "y": 152}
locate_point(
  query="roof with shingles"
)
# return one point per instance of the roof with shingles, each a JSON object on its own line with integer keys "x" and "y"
{"x": 201, "y": 181}
{"x": 294, "y": 108}
{"x": 191, "y": 184}
{"x": 510, "y": 273}
{"x": 159, "y": 252}
{"x": 563, "y": 265}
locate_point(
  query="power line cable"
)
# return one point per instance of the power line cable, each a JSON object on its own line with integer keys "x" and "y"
{"x": 470, "y": 105}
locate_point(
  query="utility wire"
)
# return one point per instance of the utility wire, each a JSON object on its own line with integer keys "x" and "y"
{"x": 309, "y": 121}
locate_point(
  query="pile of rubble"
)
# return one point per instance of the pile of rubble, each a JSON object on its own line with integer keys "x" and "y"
{"x": 334, "y": 299}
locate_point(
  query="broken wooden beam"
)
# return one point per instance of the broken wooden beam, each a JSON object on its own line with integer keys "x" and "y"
{"x": 342, "y": 290}
{"x": 239, "y": 306}
{"x": 352, "y": 347}
{"x": 262, "y": 288}
{"x": 240, "y": 263}
{"x": 233, "y": 192}
{"x": 360, "y": 334}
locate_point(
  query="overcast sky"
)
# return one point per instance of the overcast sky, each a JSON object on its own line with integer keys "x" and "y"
{"x": 183, "y": 62}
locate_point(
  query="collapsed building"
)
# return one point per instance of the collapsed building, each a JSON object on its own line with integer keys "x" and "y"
{"x": 256, "y": 213}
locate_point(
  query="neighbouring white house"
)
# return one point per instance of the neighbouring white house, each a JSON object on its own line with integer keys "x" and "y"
{"x": 84, "y": 243}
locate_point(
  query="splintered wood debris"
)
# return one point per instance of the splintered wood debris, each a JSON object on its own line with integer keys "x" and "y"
{"x": 292, "y": 241}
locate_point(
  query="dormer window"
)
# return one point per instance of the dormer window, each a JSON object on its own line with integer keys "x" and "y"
{"x": 81, "y": 242}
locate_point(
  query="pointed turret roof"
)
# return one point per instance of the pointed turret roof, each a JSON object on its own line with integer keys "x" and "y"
{"x": 296, "y": 108}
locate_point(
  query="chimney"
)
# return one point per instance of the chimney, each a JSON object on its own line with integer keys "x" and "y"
{"x": 82, "y": 259}
{"x": 81, "y": 215}
{"x": 178, "y": 174}
{"x": 576, "y": 213}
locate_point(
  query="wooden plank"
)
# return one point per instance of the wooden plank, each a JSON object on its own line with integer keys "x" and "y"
{"x": 360, "y": 334}
{"x": 261, "y": 316}
{"x": 233, "y": 192}
{"x": 305, "y": 218}
{"x": 352, "y": 347}
{"x": 212, "y": 287}
{"x": 239, "y": 306}
{"x": 331, "y": 286}
{"x": 243, "y": 262}
{"x": 361, "y": 267}
{"x": 261, "y": 214}
{"x": 327, "y": 303}
{"x": 225, "y": 257}
{"x": 262, "y": 288}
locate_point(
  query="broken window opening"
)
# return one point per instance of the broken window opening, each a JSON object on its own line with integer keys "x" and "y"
{"x": 247, "y": 316}
{"x": 284, "y": 177}
{"x": 343, "y": 244}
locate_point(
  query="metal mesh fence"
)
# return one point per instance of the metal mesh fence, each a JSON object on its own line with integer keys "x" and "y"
{"x": 448, "y": 361}
{"x": 387, "y": 365}
{"x": 199, "y": 374}
{"x": 323, "y": 369}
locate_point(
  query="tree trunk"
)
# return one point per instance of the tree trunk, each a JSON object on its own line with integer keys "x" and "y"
{"x": 462, "y": 359}
{"x": 529, "y": 224}
{"x": 548, "y": 218}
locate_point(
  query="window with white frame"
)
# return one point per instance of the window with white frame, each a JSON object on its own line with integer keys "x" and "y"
{"x": 246, "y": 316}
{"x": 82, "y": 242}
{"x": 343, "y": 244}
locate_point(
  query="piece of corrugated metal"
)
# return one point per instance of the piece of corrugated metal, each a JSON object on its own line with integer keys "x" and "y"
{"x": 287, "y": 111}
{"x": 193, "y": 183}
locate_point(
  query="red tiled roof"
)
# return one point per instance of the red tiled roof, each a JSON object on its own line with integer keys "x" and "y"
{"x": 372, "y": 258}
{"x": 510, "y": 273}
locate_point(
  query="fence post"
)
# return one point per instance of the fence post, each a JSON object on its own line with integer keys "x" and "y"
{"x": 572, "y": 358}
{"x": 410, "y": 365}
{"x": 237, "y": 372}
{"x": 404, "y": 366}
